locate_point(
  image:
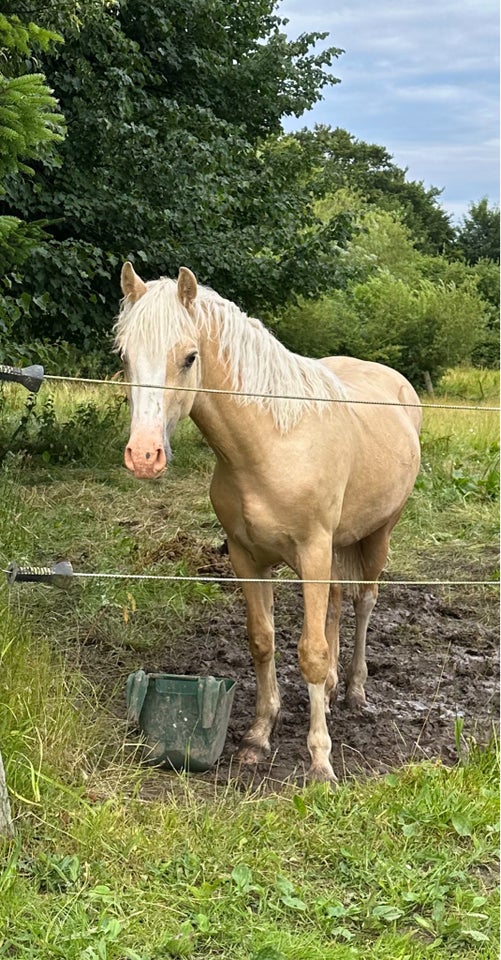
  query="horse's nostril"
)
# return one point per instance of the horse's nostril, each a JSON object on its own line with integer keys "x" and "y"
{"x": 160, "y": 460}
{"x": 129, "y": 463}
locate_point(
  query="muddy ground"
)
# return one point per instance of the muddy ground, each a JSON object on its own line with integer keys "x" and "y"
{"x": 430, "y": 659}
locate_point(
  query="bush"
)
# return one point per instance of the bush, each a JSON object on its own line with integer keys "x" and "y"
{"x": 415, "y": 328}
{"x": 62, "y": 358}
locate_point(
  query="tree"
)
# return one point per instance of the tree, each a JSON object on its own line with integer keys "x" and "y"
{"x": 29, "y": 123}
{"x": 174, "y": 156}
{"x": 416, "y": 312}
{"x": 339, "y": 160}
{"x": 30, "y": 126}
{"x": 478, "y": 236}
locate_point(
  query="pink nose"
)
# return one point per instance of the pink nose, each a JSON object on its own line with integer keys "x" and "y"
{"x": 145, "y": 464}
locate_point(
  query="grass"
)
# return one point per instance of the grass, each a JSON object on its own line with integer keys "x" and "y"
{"x": 395, "y": 867}
{"x": 470, "y": 384}
{"x": 452, "y": 515}
{"x": 400, "y": 866}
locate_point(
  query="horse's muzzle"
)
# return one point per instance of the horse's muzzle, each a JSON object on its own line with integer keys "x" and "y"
{"x": 145, "y": 461}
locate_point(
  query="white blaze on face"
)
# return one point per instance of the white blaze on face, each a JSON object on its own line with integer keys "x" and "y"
{"x": 153, "y": 416}
{"x": 148, "y": 448}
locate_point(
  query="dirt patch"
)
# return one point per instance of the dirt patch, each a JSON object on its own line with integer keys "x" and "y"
{"x": 430, "y": 658}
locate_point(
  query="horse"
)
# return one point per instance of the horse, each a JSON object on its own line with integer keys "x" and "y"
{"x": 314, "y": 462}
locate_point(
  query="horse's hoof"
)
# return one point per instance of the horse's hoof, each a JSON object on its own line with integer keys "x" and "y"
{"x": 321, "y": 774}
{"x": 250, "y": 755}
{"x": 355, "y": 700}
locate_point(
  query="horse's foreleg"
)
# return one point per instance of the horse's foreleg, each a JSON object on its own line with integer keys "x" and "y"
{"x": 259, "y": 599}
{"x": 332, "y": 637}
{"x": 315, "y": 657}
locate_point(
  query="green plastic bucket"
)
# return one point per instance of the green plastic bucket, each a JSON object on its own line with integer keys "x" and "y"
{"x": 184, "y": 719}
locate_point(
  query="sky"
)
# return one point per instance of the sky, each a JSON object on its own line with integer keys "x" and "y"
{"x": 419, "y": 77}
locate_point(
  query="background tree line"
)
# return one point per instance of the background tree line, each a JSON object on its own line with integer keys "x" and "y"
{"x": 152, "y": 131}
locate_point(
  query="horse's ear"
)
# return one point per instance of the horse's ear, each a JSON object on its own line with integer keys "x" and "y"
{"x": 186, "y": 286}
{"x": 132, "y": 285}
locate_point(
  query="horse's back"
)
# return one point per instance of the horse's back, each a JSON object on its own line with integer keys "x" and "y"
{"x": 367, "y": 380}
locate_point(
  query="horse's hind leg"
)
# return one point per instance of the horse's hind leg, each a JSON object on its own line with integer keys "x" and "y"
{"x": 255, "y": 744}
{"x": 356, "y": 674}
{"x": 373, "y": 554}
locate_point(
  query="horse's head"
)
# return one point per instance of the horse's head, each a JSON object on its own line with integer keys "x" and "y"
{"x": 159, "y": 345}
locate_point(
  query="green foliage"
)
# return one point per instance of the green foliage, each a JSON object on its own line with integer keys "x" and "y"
{"x": 465, "y": 468}
{"x": 478, "y": 236}
{"x": 447, "y": 476}
{"x": 172, "y": 157}
{"x": 425, "y": 327}
{"x": 483, "y": 277}
{"x": 86, "y": 433}
{"x": 29, "y": 120}
{"x": 62, "y": 358}
{"x": 62, "y": 286}
{"x": 470, "y": 384}
{"x": 383, "y": 242}
{"x": 337, "y": 160}
{"x": 30, "y": 126}
{"x": 410, "y": 310}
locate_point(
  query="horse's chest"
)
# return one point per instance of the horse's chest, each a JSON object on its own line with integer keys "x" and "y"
{"x": 251, "y": 520}
{"x": 258, "y": 524}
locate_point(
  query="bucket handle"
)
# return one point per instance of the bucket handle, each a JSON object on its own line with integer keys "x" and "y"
{"x": 137, "y": 686}
{"x": 210, "y": 692}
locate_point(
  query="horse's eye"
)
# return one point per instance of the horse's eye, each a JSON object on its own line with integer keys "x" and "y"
{"x": 190, "y": 359}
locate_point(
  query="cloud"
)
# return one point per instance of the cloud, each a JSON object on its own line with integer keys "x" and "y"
{"x": 421, "y": 79}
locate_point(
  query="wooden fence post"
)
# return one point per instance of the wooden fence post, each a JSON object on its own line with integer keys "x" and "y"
{"x": 427, "y": 382}
{"x": 6, "y": 824}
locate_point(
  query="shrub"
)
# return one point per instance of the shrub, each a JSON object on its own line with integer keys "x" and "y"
{"x": 415, "y": 328}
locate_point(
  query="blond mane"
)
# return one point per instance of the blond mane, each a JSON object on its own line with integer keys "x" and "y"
{"x": 257, "y": 362}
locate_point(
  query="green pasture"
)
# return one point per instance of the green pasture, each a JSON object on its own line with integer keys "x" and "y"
{"x": 402, "y": 866}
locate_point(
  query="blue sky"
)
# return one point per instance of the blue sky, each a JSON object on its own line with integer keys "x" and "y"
{"x": 420, "y": 78}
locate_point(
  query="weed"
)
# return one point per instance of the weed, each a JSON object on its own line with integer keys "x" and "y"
{"x": 89, "y": 432}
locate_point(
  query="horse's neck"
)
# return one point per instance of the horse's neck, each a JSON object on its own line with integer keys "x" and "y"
{"x": 233, "y": 430}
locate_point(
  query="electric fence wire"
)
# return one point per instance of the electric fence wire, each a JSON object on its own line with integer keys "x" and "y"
{"x": 278, "y": 581}
{"x": 269, "y": 396}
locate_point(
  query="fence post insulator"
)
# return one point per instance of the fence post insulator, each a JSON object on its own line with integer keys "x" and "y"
{"x": 30, "y": 377}
{"x": 57, "y": 575}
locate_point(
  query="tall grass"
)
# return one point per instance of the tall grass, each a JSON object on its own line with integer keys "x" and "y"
{"x": 450, "y": 527}
{"x": 470, "y": 383}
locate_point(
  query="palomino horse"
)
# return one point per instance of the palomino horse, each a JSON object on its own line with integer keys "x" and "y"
{"x": 316, "y": 485}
